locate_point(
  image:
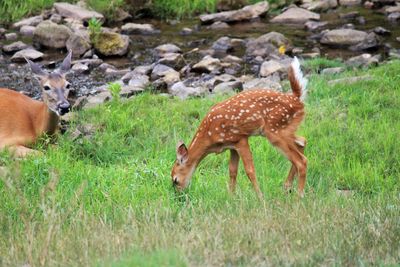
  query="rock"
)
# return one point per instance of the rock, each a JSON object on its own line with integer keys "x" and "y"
{"x": 80, "y": 68}
{"x": 394, "y": 53}
{"x": 295, "y": 15}
{"x": 145, "y": 70}
{"x": 56, "y": 18}
{"x": 322, "y": 5}
{"x": 349, "y": 2}
{"x": 266, "y": 45}
{"x": 392, "y": 17}
{"x": 207, "y": 64}
{"x": 2, "y": 31}
{"x": 270, "y": 67}
{"x": 332, "y": 71}
{"x": 218, "y": 25}
{"x": 186, "y": 31}
{"x": 232, "y": 59}
{"x": 135, "y": 28}
{"x": 128, "y": 91}
{"x": 116, "y": 72}
{"x": 112, "y": 44}
{"x": 343, "y": 37}
{"x": 361, "y": 20}
{"x": 167, "y": 49}
{"x": 246, "y": 13}
{"x": 310, "y": 55}
{"x": 51, "y": 35}
{"x": 222, "y": 45}
{"x": 364, "y": 60}
{"x": 312, "y": 25}
{"x": 392, "y": 9}
{"x": 350, "y": 80}
{"x": 99, "y": 99}
{"x": 261, "y": 83}
{"x": 76, "y": 12}
{"x": 138, "y": 80}
{"x": 121, "y": 15}
{"x": 12, "y": 36}
{"x": 381, "y": 31}
{"x": 28, "y": 53}
{"x": 182, "y": 91}
{"x": 32, "y": 21}
{"x": 349, "y": 15}
{"x": 16, "y": 46}
{"x": 27, "y": 30}
{"x": 90, "y": 62}
{"x": 398, "y": 39}
{"x": 228, "y": 87}
{"x": 167, "y": 74}
{"x": 371, "y": 41}
{"x": 78, "y": 43}
{"x": 173, "y": 60}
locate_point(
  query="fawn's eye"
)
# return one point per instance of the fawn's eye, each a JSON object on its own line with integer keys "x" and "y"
{"x": 46, "y": 88}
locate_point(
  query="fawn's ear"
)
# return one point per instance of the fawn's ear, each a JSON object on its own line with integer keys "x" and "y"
{"x": 66, "y": 64}
{"x": 36, "y": 69}
{"x": 181, "y": 152}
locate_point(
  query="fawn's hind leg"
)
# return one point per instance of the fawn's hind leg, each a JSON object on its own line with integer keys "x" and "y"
{"x": 301, "y": 143}
{"x": 233, "y": 169}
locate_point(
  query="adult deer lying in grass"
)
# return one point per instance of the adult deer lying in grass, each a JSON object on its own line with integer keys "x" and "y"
{"x": 23, "y": 120}
{"x": 230, "y": 123}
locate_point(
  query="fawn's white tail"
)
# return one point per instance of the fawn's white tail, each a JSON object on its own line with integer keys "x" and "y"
{"x": 297, "y": 81}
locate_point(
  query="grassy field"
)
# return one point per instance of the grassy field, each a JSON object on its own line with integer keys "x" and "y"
{"x": 107, "y": 199}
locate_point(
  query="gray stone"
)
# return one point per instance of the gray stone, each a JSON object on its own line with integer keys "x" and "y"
{"x": 90, "y": 62}
{"x": 167, "y": 49}
{"x": 76, "y": 12}
{"x": 350, "y": 2}
{"x": 27, "y": 30}
{"x": 207, "y": 64}
{"x": 99, "y": 99}
{"x": 218, "y": 25}
{"x": 32, "y": 21}
{"x": 392, "y": 9}
{"x": 186, "y": 31}
{"x": 398, "y": 39}
{"x": 51, "y": 35}
{"x": 343, "y": 37}
{"x": 145, "y": 70}
{"x": 266, "y": 45}
{"x": 321, "y": 5}
{"x": 16, "y": 46}
{"x": 56, "y": 18}
{"x": 349, "y": 15}
{"x": 312, "y": 25}
{"x": 78, "y": 43}
{"x": 138, "y": 80}
{"x": 135, "y": 28}
{"x": 128, "y": 91}
{"x": 261, "y": 83}
{"x": 228, "y": 87}
{"x": 395, "y": 16}
{"x": 363, "y": 60}
{"x": 12, "y": 36}
{"x": 232, "y": 59}
{"x": 80, "y": 68}
{"x": 173, "y": 60}
{"x": 381, "y": 31}
{"x": 270, "y": 67}
{"x": 167, "y": 74}
{"x": 223, "y": 44}
{"x": 295, "y": 15}
{"x": 116, "y": 72}
{"x": 28, "y": 53}
{"x": 246, "y": 13}
{"x": 182, "y": 91}
{"x": 371, "y": 41}
{"x": 332, "y": 71}
{"x": 350, "y": 80}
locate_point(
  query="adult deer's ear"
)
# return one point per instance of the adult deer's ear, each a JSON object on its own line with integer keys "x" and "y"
{"x": 181, "y": 152}
{"x": 66, "y": 64}
{"x": 36, "y": 69}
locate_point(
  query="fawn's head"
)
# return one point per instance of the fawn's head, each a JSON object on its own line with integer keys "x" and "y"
{"x": 181, "y": 171}
{"x": 55, "y": 87}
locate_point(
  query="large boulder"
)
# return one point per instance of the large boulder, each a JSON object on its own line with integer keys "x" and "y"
{"x": 112, "y": 44}
{"x": 246, "y": 13}
{"x": 79, "y": 43}
{"x": 76, "y": 12}
{"x": 267, "y": 44}
{"x": 342, "y": 37}
{"x": 295, "y": 15}
{"x": 32, "y": 21}
{"x": 28, "y": 53}
{"x": 51, "y": 35}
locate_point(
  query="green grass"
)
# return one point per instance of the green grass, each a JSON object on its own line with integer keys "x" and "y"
{"x": 107, "y": 200}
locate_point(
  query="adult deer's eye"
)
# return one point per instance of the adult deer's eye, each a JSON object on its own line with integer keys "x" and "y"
{"x": 67, "y": 86}
{"x": 46, "y": 88}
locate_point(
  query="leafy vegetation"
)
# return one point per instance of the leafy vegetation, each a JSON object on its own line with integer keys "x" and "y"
{"x": 94, "y": 29}
{"x": 105, "y": 198}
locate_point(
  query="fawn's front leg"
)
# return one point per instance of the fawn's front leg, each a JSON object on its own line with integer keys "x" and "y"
{"x": 243, "y": 149}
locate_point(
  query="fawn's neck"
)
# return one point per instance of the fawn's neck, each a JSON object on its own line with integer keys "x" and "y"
{"x": 198, "y": 149}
